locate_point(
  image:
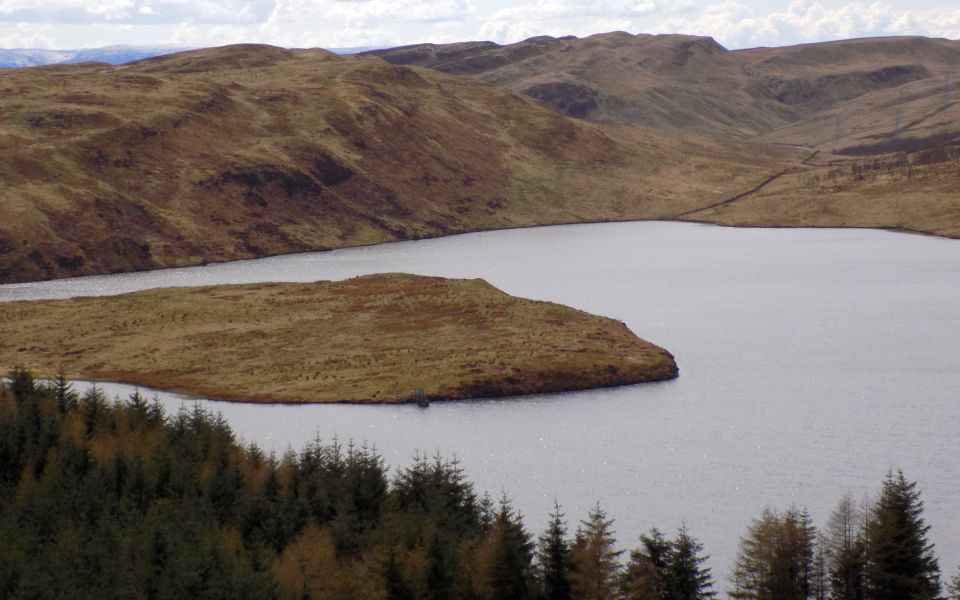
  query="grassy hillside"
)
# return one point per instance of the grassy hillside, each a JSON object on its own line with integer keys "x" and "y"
{"x": 246, "y": 151}
{"x": 865, "y": 95}
{"x": 672, "y": 82}
{"x": 369, "y": 339}
{"x": 790, "y": 95}
{"x": 911, "y": 191}
{"x": 875, "y": 118}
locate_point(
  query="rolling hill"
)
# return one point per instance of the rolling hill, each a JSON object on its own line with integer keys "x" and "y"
{"x": 111, "y": 55}
{"x": 245, "y": 151}
{"x": 789, "y": 95}
{"x": 878, "y": 118}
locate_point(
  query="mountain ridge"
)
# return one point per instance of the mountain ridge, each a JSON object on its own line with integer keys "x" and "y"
{"x": 252, "y": 150}
{"x": 111, "y": 55}
{"x": 693, "y": 84}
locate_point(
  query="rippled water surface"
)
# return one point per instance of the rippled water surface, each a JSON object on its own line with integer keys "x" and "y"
{"x": 812, "y": 361}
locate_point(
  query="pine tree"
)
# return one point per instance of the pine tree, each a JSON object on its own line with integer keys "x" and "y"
{"x": 394, "y": 581}
{"x": 510, "y": 573}
{"x": 553, "y": 554}
{"x": 844, "y": 547}
{"x": 441, "y": 571}
{"x": 687, "y": 576}
{"x": 438, "y": 490}
{"x": 646, "y": 573}
{"x": 821, "y": 578}
{"x": 224, "y": 489}
{"x": 594, "y": 561}
{"x": 486, "y": 511}
{"x": 901, "y": 564}
{"x": 775, "y": 561}
{"x": 804, "y": 548}
{"x": 22, "y": 384}
{"x": 63, "y": 392}
{"x": 94, "y": 408}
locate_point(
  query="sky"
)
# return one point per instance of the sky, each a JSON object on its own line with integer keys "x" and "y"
{"x": 74, "y": 24}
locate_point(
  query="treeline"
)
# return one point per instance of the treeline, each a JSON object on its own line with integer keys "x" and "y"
{"x": 904, "y": 145}
{"x": 873, "y": 550}
{"x": 103, "y": 499}
{"x": 907, "y": 161}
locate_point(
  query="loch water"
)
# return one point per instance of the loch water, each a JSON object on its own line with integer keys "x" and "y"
{"x": 812, "y": 361}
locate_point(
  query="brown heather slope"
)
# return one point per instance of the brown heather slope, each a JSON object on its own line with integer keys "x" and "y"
{"x": 674, "y": 82}
{"x": 863, "y": 85}
{"x": 880, "y": 113}
{"x": 370, "y": 339}
{"x": 910, "y": 191}
{"x": 246, "y": 151}
{"x": 787, "y": 95}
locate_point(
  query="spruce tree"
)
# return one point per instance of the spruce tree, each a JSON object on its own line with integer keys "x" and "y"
{"x": 901, "y": 564}
{"x": 688, "y": 577}
{"x": 775, "y": 561}
{"x": 63, "y": 392}
{"x": 844, "y": 546}
{"x": 646, "y": 573}
{"x": 553, "y": 554}
{"x": 821, "y": 579}
{"x": 395, "y": 583}
{"x": 94, "y": 408}
{"x": 805, "y": 544}
{"x": 22, "y": 384}
{"x": 486, "y": 511}
{"x": 594, "y": 561}
{"x": 441, "y": 570}
{"x": 510, "y": 572}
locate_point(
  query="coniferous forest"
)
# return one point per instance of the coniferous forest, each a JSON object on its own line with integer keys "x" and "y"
{"x": 105, "y": 498}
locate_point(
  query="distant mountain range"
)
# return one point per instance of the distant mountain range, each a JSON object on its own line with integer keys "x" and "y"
{"x": 112, "y": 55}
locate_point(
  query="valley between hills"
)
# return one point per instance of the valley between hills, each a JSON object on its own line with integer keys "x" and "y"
{"x": 877, "y": 118}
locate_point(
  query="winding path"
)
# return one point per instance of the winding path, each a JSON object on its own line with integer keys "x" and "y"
{"x": 804, "y": 163}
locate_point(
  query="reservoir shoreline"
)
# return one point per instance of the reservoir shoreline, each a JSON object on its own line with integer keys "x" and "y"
{"x": 814, "y": 361}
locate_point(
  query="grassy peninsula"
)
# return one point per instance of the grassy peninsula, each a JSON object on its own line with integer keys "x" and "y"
{"x": 370, "y": 339}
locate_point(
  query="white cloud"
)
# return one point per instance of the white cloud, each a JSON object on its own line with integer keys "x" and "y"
{"x": 539, "y": 18}
{"x": 337, "y": 23}
{"x": 24, "y": 36}
{"x": 944, "y": 23}
{"x": 737, "y": 26}
{"x": 575, "y": 17}
{"x": 323, "y": 13}
{"x": 553, "y": 9}
{"x": 134, "y": 12}
{"x": 332, "y": 23}
{"x": 211, "y": 22}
